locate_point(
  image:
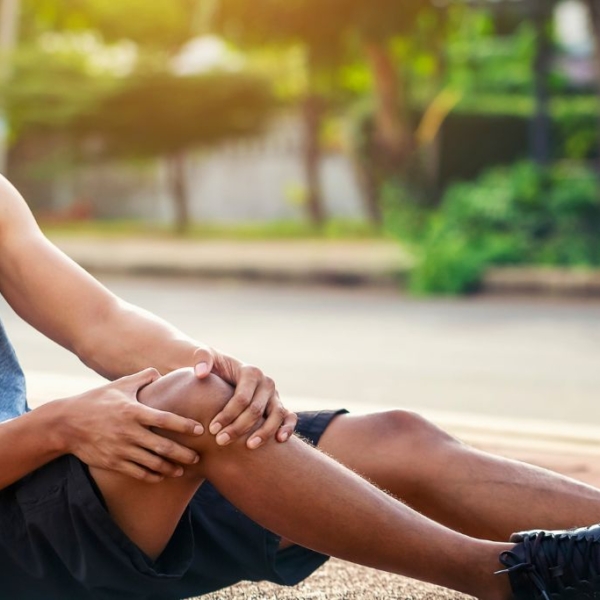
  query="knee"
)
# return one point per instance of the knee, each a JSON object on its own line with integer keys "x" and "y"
{"x": 182, "y": 393}
{"x": 414, "y": 431}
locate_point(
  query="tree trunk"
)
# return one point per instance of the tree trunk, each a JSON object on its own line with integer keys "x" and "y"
{"x": 393, "y": 138}
{"x": 177, "y": 176}
{"x": 594, "y": 9}
{"x": 313, "y": 119}
{"x": 541, "y": 124}
{"x": 366, "y": 177}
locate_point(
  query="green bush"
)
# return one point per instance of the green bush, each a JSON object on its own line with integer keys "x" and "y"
{"x": 510, "y": 215}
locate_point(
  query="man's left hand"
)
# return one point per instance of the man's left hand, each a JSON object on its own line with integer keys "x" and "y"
{"x": 255, "y": 399}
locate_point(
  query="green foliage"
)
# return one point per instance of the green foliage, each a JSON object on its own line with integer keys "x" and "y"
{"x": 334, "y": 229}
{"x": 480, "y": 61}
{"x": 324, "y": 27}
{"x": 163, "y": 24}
{"x": 160, "y": 113}
{"x": 521, "y": 214}
{"x": 47, "y": 91}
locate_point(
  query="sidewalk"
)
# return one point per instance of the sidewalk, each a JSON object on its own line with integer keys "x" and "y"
{"x": 376, "y": 263}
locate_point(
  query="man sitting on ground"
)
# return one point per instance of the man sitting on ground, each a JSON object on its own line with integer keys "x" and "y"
{"x": 182, "y": 475}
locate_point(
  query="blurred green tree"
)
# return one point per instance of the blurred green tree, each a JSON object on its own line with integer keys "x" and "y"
{"x": 330, "y": 31}
{"x": 152, "y": 112}
{"x": 283, "y": 24}
{"x": 160, "y": 114}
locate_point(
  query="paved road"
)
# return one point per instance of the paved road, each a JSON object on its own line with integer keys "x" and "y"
{"x": 524, "y": 358}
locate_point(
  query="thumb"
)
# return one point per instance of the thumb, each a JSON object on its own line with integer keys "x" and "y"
{"x": 203, "y": 362}
{"x": 138, "y": 380}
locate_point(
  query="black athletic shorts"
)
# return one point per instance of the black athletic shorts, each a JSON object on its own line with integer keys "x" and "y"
{"x": 57, "y": 541}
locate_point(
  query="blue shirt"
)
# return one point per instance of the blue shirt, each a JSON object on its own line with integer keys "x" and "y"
{"x": 13, "y": 395}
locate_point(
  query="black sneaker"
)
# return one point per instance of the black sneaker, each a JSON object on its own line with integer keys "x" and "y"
{"x": 554, "y": 564}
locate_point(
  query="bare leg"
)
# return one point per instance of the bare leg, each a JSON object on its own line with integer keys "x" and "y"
{"x": 301, "y": 494}
{"x": 468, "y": 490}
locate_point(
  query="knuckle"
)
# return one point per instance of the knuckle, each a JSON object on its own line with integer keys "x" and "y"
{"x": 156, "y": 464}
{"x": 160, "y": 420}
{"x": 253, "y": 372}
{"x": 269, "y": 384}
{"x": 164, "y": 448}
{"x": 238, "y": 428}
{"x": 111, "y": 463}
{"x": 255, "y": 409}
{"x": 130, "y": 410}
{"x": 243, "y": 400}
{"x": 269, "y": 428}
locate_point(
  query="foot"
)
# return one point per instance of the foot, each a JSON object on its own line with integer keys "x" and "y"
{"x": 550, "y": 565}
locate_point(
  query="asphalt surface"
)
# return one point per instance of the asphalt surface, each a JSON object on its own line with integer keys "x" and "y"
{"x": 526, "y": 359}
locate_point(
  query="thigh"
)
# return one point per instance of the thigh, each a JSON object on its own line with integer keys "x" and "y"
{"x": 391, "y": 449}
{"x": 58, "y": 541}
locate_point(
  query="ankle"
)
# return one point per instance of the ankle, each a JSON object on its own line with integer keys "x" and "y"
{"x": 489, "y": 584}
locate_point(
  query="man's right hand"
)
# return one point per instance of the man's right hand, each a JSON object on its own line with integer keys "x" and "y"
{"x": 109, "y": 429}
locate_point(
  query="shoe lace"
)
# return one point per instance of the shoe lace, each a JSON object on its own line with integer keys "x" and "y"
{"x": 555, "y": 562}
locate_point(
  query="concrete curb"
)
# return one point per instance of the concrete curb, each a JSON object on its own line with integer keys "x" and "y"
{"x": 343, "y": 263}
{"x": 541, "y": 280}
{"x": 367, "y": 263}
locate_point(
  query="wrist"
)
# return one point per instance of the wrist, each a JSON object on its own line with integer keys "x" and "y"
{"x": 58, "y": 426}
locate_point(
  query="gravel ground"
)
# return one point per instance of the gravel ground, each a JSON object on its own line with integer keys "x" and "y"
{"x": 339, "y": 580}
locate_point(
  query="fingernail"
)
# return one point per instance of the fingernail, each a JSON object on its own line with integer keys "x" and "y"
{"x": 284, "y": 436}
{"x": 201, "y": 369}
{"x": 198, "y": 430}
{"x": 254, "y": 443}
{"x": 196, "y": 459}
{"x": 215, "y": 428}
{"x": 179, "y": 472}
{"x": 223, "y": 439}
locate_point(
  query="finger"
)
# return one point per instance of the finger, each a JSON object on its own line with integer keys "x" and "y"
{"x": 152, "y": 417}
{"x": 137, "y": 381}
{"x": 203, "y": 362}
{"x": 239, "y": 402}
{"x": 287, "y": 427}
{"x": 270, "y": 427}
{"x": 167, "y": 449}
{"x": 231, "y": 369}
{"x": 137, "y": 472}
{"x": 154, "y": 463}
{"x": 248, "y": 420}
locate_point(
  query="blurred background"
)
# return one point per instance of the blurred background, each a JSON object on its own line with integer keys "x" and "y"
{"x": 416, "y": 150}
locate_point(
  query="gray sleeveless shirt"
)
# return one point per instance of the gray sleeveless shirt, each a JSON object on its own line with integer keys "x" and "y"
{"x": 13, "y": 396}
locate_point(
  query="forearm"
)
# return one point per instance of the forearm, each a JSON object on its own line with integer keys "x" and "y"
{"x": 128, "y": 339}
{"x": 29, "y": 442}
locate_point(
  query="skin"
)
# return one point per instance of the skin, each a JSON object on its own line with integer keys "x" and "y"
{"x": 117, "y": 340}
{"x": 319, "y": 503}
{"x": 150, "y": 452}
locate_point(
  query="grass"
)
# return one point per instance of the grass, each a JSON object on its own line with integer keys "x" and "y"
{"x": 280, "y": 230}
